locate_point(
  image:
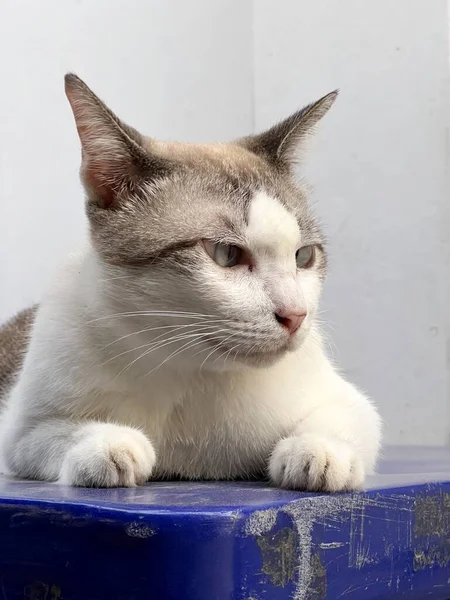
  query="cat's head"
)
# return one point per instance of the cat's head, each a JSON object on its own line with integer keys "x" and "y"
{"x": 215, "y": 242}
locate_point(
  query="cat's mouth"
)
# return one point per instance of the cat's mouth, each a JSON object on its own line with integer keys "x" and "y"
{"x": 267, "y": 356}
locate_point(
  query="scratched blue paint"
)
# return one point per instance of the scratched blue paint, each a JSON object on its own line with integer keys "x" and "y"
{"x": 232, "y": 541}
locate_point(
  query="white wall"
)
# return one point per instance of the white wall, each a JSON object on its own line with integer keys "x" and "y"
{"x": 213, "y": 70}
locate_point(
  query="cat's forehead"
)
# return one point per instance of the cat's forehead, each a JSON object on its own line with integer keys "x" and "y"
{"x": 231, "y": 172}
{"x": 214, "y": 157}
{"x": 271, "y": 227}
{"x": 224, "y": 185}
{"x": 216, "y": 191}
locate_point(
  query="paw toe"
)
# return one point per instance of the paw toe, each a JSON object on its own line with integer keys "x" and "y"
{"x": 313, "y": 463}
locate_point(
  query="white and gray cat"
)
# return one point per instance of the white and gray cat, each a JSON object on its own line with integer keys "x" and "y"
{"x": 183, "y": 340}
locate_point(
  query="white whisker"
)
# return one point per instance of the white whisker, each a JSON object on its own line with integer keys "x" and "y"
{"x": 176, "y": 327}
{"x": 153, "y": 313}
{"x": 175, "y": 353}
{"x": 158, "y": 343}
{"x": 164, "y": 343}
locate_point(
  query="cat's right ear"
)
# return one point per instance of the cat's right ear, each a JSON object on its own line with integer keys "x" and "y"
{"x": 115, "y": 163}
{"x": 280, "y": 144}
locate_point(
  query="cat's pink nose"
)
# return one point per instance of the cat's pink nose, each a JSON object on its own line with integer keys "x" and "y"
{"x": 292, "y": 321}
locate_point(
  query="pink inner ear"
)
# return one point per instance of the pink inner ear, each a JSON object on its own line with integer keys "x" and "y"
{"x": 95, "y": 179}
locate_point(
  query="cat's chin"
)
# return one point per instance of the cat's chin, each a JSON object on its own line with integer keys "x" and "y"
{"x": 258, "y": 358}
{"x": 267, "y": 359}
{"x": 244, "y": 360}
{"x": 264, "y": 360}
{"x": 261, "y": 359}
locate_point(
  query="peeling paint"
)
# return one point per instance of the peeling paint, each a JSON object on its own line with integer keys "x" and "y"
{"x": 432, "y": 515}
{"x": 39, "y": 590}
{"x": 318, "y": 586}
{"x": 279, "y": 556}
{"x": 431, "y": 531}
{"x": 438, "y": 554}
{"x": 139, "y": 530}
{"x": 331, "y": 545}
{"x": 425, "y": 522}
{"x": 261, "y": 521}
{"x": 305, "y": 514}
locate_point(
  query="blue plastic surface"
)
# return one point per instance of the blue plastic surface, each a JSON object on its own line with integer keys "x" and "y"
{"x": 232, "y": 541}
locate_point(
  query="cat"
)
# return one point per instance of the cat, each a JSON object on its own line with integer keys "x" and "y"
{"x": 182, "y": 341}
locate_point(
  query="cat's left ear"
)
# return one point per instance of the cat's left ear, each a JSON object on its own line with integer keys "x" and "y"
{"x": 114, "y": 161}
{"x": 280, "y": 144}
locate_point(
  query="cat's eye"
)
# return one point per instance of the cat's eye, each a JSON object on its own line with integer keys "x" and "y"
{"x": 225, "y": 255}
{"x": 305, "y": 257}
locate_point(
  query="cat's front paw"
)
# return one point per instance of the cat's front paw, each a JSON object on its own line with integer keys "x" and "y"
{"x": 108, "y": 456}
{"x": 316, "y": 464}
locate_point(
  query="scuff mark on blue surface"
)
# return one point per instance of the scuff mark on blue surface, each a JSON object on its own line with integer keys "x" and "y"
{"x": 385, "y": 542}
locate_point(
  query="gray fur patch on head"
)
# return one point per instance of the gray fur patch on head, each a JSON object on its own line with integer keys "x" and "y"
{"x": 206, "y": 197}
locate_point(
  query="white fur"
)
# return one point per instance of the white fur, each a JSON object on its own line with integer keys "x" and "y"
{"x": 272, "y": 229}
{"x": 118, "y": 456}
{"x": 91, "y": 409}
{"x": 273, "y": 236}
